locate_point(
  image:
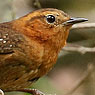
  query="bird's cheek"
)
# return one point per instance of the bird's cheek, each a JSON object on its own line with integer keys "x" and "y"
{"x": 57, "y": 29}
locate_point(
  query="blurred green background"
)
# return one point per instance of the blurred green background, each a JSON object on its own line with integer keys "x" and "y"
{"x": 70, "y": 65}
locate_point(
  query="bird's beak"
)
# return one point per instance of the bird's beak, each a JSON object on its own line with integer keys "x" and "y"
{"x": 72, "y": 21}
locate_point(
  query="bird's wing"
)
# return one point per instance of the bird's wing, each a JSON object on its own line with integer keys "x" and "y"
{"x": 9, "y": 40}
{"x": 11, "y": 43}
{"x": 14, "y": 64}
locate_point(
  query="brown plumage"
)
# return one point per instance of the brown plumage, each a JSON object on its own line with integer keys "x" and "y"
{"x": 29, "y": 46}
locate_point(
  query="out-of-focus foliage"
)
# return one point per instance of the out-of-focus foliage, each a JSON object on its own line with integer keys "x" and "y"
{"x": 6, "y": 12}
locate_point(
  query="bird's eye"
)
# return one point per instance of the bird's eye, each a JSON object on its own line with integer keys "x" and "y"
{"x": 50, "y": 18}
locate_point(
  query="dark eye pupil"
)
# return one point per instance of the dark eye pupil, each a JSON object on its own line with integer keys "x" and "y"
{"x": 50, "y": 18}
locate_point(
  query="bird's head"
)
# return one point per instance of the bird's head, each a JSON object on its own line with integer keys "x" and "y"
{"x": 48, "y": 25}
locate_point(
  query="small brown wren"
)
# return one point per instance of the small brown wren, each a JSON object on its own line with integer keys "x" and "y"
{"x": 29, "y": 47}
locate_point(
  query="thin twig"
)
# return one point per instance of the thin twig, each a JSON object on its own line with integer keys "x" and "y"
{"x": 81, "y": 79}
{"x": 86, "y": 25}
{"x": 79, "y": 49}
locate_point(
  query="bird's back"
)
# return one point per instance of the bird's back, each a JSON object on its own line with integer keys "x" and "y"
{"x": 14, "y": 63}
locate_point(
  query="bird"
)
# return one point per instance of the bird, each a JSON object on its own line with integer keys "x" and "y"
{"x": 29, "y": 47}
